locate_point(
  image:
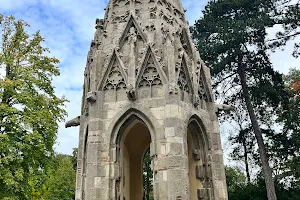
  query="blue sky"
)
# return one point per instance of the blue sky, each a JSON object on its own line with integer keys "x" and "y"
{"x": 68, "y": 27}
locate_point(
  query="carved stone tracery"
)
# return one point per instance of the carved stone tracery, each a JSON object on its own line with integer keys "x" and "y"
{"x": 132, "y": 29}
{"x": 115, "y": 80}
{"x": 120, "y": 18}
{"x": 183, "y": 74}
{"x": 150, "y": 75}
{"x": 114, "y": 77}
{"x": 202, "y": 89}
{"x": 182, "y": 81}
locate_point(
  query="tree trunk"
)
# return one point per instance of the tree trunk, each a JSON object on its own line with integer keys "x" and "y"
{"x": 267, "y": 171}
{"x": 246, "y": 159}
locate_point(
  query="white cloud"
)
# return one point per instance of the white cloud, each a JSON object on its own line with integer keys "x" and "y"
{"x": 9, "y": 5}
{"x": 68, "y": 27}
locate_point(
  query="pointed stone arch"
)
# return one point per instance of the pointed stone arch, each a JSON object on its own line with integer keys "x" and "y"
{"x": 184, "y": 80}
{"x": 126, "y": 115}
{"x": 200, "y": 139}
{"x": 114, "y": 76}
{"x": 186, "y": 42}
{"x": 150, "y": 56}
{"x": 200, "y": 169}
{"x": 150, "y": 74}
{"x": 132, "y": 22}
{"x": 132, "y": 44}
{"x": 202, "y": 87}
{"x": 132, "y": 126}
{"x": 169, "y": 38}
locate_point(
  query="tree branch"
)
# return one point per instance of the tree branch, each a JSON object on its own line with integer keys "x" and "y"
{"x": 223, "y": 79}
{"x": 283, "y": 37}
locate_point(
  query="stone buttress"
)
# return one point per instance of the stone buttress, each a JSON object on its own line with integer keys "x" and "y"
{"x": 143, "y": 66}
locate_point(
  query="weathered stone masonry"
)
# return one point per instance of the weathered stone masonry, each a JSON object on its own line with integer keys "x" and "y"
{"x": 145, "y": 85}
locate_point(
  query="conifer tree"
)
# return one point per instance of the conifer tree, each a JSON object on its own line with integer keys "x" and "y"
{"x": 231, "y": 38}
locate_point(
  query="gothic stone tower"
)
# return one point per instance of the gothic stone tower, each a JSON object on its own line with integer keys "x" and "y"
{"x": 145, "y": 86}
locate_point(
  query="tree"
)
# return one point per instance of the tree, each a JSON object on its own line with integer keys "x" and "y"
{"x": 231, "y": 38}
{"x": 241, "y": 137}
{"x": 288, "y": 16}
{"x": 29, "y": 109}
{"x": 243, "y": 150}
{"x": 147, "y": 176}
{"x": 239, "y": 189}
{"x": 57, "y": 183}
{"x": 74, "y": 158}
{"x": 61, "y": 182}
{"x": 287, "y": 141}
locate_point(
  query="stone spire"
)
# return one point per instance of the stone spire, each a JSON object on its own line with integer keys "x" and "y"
{"x": 145, "y": 85}
{"x": 132, "y": 26}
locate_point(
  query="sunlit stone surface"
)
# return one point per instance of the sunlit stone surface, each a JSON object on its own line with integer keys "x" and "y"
{"x": 146, "y": 86}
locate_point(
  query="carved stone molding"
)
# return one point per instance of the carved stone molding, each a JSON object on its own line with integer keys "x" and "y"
{"x": 197, "y": 154}
{"x": 91, "y": 97}
{"x": 201, "y": 193}
{"x": 184, "y": 80}
{"x": 73, "y": 123}
{"x": 200, "y": 172}
{"x": 114, "y": 77}
{"x": 137, "y": 30}
{"x": 120, "y": 18}
{"x": 131, "y": 94}
{"x": 173, "y": 89}
{"x": 202, "y": 87}
{"x": 150, "y": 73}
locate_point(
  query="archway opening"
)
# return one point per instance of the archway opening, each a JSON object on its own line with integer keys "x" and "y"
{"x": 195, "y": 162}
{"x": 84, "y": 161}
{"x": 200, "y": 176}
{"x": 134, "y": 143}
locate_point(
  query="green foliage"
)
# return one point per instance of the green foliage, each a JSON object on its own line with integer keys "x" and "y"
{"x": 61, "y": 183}
{"x": 231, "y": 38}
{"x": 74, "y": 158}
{"x": 29, "y": 109}
{"x": 147, "y": 177}
{"x": 57, "y": 183}
{"x": 234, "y": 178}
{"x": 288, "y": 15}
{"x": 287, "y": 143}
{"x": 239, "y": 189}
